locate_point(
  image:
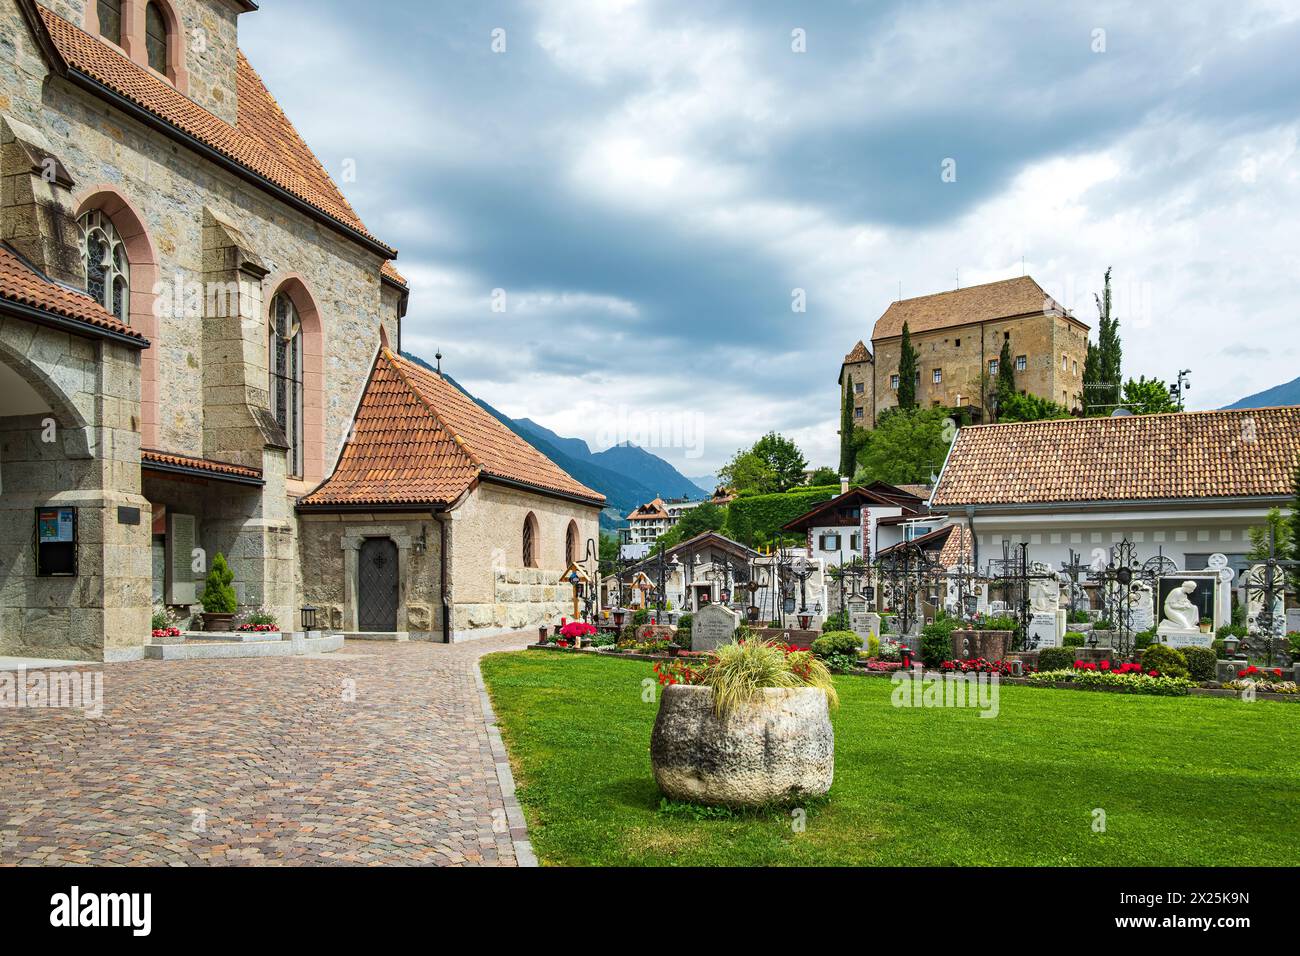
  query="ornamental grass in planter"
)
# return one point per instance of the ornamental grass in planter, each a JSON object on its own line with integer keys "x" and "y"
{"x": 747, "y": 726}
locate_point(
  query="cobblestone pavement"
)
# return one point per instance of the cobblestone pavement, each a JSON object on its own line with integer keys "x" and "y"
{"x": 263, "y": 762}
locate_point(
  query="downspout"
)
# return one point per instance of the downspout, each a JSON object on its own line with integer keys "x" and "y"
{"x": 974, "y": 538}
{"x": 441, "y": 518}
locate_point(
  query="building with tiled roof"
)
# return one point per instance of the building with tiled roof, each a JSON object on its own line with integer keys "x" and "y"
{"x": 1184, "y": 485}
{"x": 958, "y": 337}
{"x": 191, "y": 303}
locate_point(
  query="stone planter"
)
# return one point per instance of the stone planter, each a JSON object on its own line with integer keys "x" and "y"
{"x": 218, "y": 622}
{"x": 775, "y": 749}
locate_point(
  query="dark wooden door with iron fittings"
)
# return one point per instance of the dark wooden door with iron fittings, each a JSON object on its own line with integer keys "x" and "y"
{"x": 377, "y": 587}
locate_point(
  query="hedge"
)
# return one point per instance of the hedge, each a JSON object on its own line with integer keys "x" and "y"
{"x": 758, "y": 519}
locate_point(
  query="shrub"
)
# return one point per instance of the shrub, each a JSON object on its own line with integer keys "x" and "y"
{"x": 837, "y": 642}
{"x": 1165, "y": 660}
{"x": 1294, "y": 638}
{"x": 1003, "y": 622}
{"x": 1055, "y": 658}
{"x": 936, "y": 641}
{"x": 1231, "y": 630}
{"x": 738, "y": 671}
{"x": 218, "y": 596}
{"x": 1143, "y": 639}
{"x": 1073, "y": 639}
{"x": 640, "y": 616}
{"x": 1076, "y": 617}
{"x": 161, "y": 619}
{"x": 1105, "y": 624}
{"x": 839, "y": 621}
{"x": 873, "y": 646}
{"x": 1133, "y": 683}
{"x": 1200, "y": 662}
{"x": 683, "y": 636}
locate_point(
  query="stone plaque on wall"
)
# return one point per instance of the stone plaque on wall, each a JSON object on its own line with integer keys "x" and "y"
{"x": 182, "y": 539}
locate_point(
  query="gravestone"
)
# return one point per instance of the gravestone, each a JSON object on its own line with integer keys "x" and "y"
{"x": 1292, "y": 619}
{"x": 1141, "y": 602}
{"x": 1047, "y": 628}
{"x": 713, "y": 626}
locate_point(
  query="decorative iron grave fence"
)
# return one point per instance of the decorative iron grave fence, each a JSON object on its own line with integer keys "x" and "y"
{"x": 907, "y": 574}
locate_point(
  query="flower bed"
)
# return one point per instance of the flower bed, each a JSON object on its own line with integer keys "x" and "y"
{"x": 977, "y": 666}
{"x": 261, "y": 628}
{"x": 1268, "y": 680}
{"x": 1125, "y": 680}
{"x": 166, "y": 632}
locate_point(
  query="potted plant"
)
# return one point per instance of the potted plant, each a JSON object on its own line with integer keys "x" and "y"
{"x": 749, "y": 728}
{"x": 1205, "y": 625}
{"x": 218, "y": 597}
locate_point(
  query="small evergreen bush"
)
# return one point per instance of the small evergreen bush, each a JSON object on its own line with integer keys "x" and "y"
{"x": 1073, "y": 639}
{"x": 1055, "y": 658}
{"x": 1200, "y": 662}
{"x": 218, "y": 596}
{"x": 1165, "y": 659}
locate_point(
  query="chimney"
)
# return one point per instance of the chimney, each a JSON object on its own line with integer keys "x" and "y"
{"x": 36, "y": 212}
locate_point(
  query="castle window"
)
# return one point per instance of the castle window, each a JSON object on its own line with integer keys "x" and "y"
{"x": 893, "y": 382}
{"x": 857, "y": 412}
{"x": 1065, "y": 360}
{"x": 155, "y": 37}
{"x": 993, "y": 366}
{"x": 108, "y": 274}
{"x": 1022, "y": 363}
{"x": 1074, "y": 369}
{"x": 110, "y": 20}
{"x": 858, "y": 387}
{"x": 956, "y": 343}
{"x": 284, "y": 343}
{"x": 938, "y": 376}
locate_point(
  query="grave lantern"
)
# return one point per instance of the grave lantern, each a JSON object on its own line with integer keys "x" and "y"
{"x": 308, "y": 617}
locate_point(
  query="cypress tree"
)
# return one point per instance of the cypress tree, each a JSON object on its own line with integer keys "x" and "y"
{"x": 907, "y": 371}
{"x": 1006, "y": 386}
{"x": 1110, "y": 351}
{"x": 846, "y": 428}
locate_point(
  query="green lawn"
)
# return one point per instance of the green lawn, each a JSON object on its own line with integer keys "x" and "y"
{"x": 1183, "y": 781}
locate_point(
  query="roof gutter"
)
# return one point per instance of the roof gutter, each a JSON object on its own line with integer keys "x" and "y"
{"x": 538, "y": 490}
{"x": 386, "y": 508}
{"x": 134, "y": 110}
{"x": 989, "y": 509}
{"x": 191, "y": 472}
{"x": 63, "y": 323}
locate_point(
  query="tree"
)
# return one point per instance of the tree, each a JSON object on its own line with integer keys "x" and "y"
{"x": 907, "y": 371}
{"x": 907, "y": 446}
{"x": 1145, "y": 396}
{"x": 825, "y": 476}
{"x": 1029, "y": 408}
{"x": 608, "y": 549}
{"x": 1006, "y": 386}
{"x": 846, "y": 427}
{"x": 783, "y": 459}
{"x": 1282, "y": 537}
{"x": 747, "y": 474}
{"x": 697, "y": 520}
{"x": 1102, "y": 371}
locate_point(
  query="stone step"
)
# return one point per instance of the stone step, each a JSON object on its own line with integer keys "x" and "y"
{"x": 243, "y": 637}
{"x": 213, "y": 650}
{"x": 378, "y": 635}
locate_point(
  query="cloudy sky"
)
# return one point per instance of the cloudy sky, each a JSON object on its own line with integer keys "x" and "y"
{"x": 648, "y": 183}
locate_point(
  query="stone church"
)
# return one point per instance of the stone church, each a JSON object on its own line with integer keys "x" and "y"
{"x": 190, "y": 312}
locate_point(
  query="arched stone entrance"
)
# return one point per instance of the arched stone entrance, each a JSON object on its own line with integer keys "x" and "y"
{"x": 69, "y": 449}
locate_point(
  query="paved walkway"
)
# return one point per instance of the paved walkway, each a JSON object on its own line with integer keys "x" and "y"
{"x": 264, "y": 762}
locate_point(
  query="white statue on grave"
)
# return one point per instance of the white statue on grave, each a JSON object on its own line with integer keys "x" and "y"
{"x": 1043, "y": 596}
{"x": 1180, "y": 613}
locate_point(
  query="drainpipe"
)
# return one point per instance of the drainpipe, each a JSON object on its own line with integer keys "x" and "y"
{"x": 442, "y": 575}
{"x": 974, "y": 538}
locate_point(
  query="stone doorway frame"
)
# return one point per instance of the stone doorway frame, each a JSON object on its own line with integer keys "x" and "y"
{"x": 350, "y": 544}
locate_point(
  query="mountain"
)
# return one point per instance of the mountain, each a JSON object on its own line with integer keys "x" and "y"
{"x": 650, "y": 470}
{"x": 629, "y": 477}
{"x": 706, "y": 483}
{"x": 1286, "y": 394}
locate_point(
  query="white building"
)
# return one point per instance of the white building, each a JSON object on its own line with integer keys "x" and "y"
{"x": 860, "y": 521}
{"x": 648, "y": 521}
{"x": 1184, "y": 485}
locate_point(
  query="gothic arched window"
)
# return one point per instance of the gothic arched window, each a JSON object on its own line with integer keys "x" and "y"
{"x": 109, "y": 13}
{"x": 530, "y": 541}
{"x": 571, "y": 544}
{"x": 155, "y": 37}
{"x": 284, "y": 341}
{"x": 108, "y": 273}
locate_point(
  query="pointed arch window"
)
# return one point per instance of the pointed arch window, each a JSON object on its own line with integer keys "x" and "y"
{"x": 530, "y": 541}
{"x": 108, "y": 272}
{"x": 284, "y": 339}
{"x": 155, "y": 37}
{"x": 109, "y": 13}
{"x": 571, "y": 544}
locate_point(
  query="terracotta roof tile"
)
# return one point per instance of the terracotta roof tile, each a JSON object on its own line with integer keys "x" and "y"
{"x": 858, "y": 354}
{"x": 263, "y": 140}
{"x": 151, "y": 456}
{"x": 649, "y": 511}
{"x": 419, "y": 440}
{"x": 978, "y": 303}
{"x": 21, "y": 283}
{"x": 390, "y": 272}
{"x": 1214, "y": 454}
